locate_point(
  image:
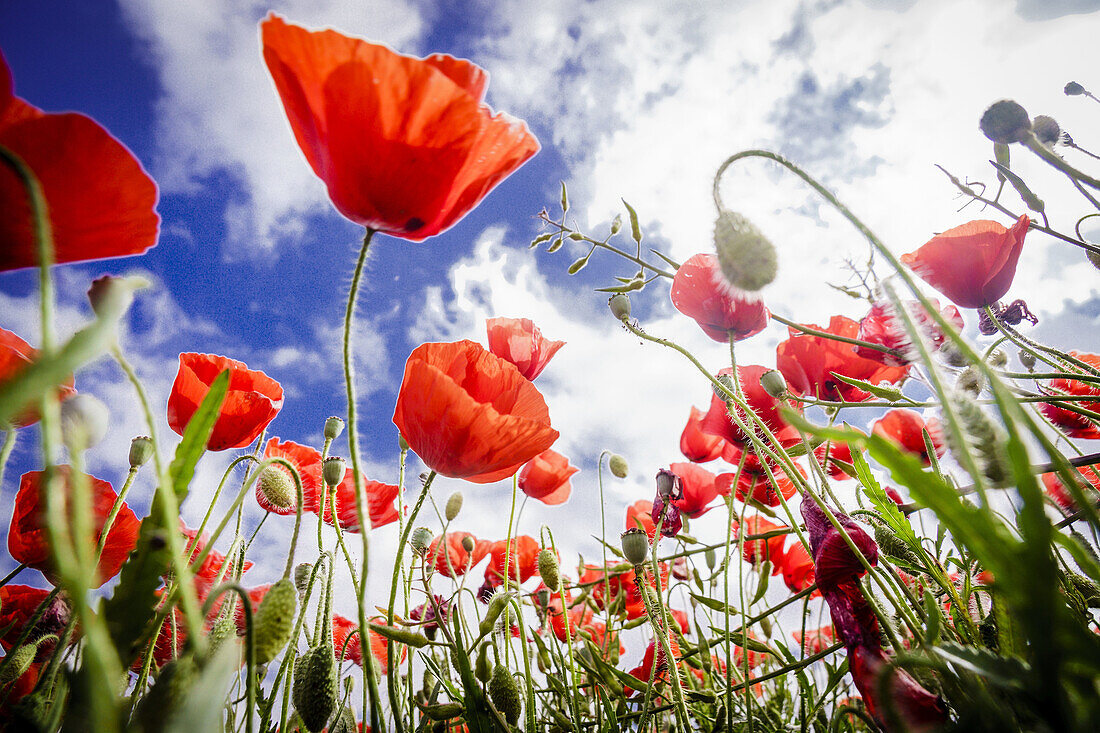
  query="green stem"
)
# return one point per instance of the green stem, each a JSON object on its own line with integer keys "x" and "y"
{"x": 832, "y": 336}
{"x": 5, "y": 451}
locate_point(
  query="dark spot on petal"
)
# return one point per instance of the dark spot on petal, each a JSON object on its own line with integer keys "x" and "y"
{"x": 413, "y": 224}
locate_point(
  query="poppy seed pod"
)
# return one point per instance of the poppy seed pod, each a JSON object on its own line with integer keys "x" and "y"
{"x": 635, "y": 545}
{"x": 141, "y": 450}
{"x": 1046, "y": 129}
{"x": 278, "y": 486}
{"x": 773, "y": 383}
{"x": 746, "y": 257}
{"x": 84, "y": 420}
{"x": 420, "y": 539}
{"x": 454, "y": 506}
{"x": 666, "y": 483}
{"x": 618, "y": 466}
{"x": 1072, "y": 89}
{"x": 333, "y": 427}
{"x": 1028, "y": 360}
{"x": 333, "y": 470}
{"x": 619, "y": 303}
{"x": 1005, "y": 122}
{"x": 548, "y": 568}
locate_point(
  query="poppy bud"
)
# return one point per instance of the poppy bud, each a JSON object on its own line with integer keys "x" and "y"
{"x": 173, "y": 684}
{"x": 141, "y": 450}
{"x": 548, "y": 568}
{"x": 727, "y": 382}
{"x": 952, "y": 355}
{"x": 420, "y": 539}
{"x": 618, "y": 466}
{"x": 84, "y": 420}
{"x": 333, "y": 427}
{"x": 504, "y": 692}
{"x": 108, "y": 287}
{"x": 468, "y": 543}
{"x": 971, "y": 381}
{"x": 278, "y": 486}
{"x": 1028, "y": 360}
{"x": 1093, "y": 258}
{"x": 20, "y": 662}
{"x": 983, "y": 436}
{"x": 1005, "y": 122}
{"x": 998, "y": 359}
{"x": 773, "y": 383}
{"x": 224, "y": 629}
{"x": 483, "y": 668}
{"x": 746, "y": 257}
{"x": 492, "y": 613}
{"x": 314, "y": 688}
{"x": 635, "y": 545}
{"x": 454, "y": 506}
{"x": 301, "y": 577}
{"x": 620, "y": 306}
{"x": 345, "y": 722}
{"x": 711, "y": 558}
{"x": 893, "y": 546}
{"x": 766, "y": 626}
{"x": 1073, "y": 89}
{"x": 1046, "y": 129}
{"x": 274, "y": 622}
{"x": 333, "y": 470}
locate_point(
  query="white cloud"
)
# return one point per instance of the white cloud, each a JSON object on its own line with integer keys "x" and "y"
{"x": 219, "y": 112}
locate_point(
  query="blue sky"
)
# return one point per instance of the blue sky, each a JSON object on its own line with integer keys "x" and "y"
{"x": 628, "y": 99}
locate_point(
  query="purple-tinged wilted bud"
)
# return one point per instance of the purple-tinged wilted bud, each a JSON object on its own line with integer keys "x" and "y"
{"x": 667, "y": 517}
{"x": 635, "y": 545}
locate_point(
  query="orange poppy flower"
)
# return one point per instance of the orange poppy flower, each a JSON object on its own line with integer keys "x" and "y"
{"x": 343, "y": 628}
{"x": 380, "y": 503}
{"x": 1090, "y": 477}
{"x": 700, "y": 489}
{"x": 881, "y": 326}
{"x": 696, "y": 445}
{"x": 546, "y": 478}
{"x": 810, "y": 363}
{"x": 815, "y": 641}
{"x": 754, "y": 482}
{"x": 470, "y": 414}
{"x": 307, "y": 461}
{"x": 520, "y": 341}
{"x": 700, "y": 292}
{"x": 1075, "y": 425}
{"x": 718, "y": 422}
{"x": 27, "y": 537}
{"x": 250, "y": 405}
{"x": 826, "y": 452}
{"x": 756, "y": 551}
{"x": 101, "y": 202}
{"x": 973, "y": 264}
{"x": 906, "y": 429}
{"x": 797, "y": 567}
{"x": 215, "y": 567}
{"x": 451, "y": 558}
{"x": 15, "y": 356}
{"x": 640, "y": 515}
{"x": 404, "y": 145}
{"x": 522, "y": 560}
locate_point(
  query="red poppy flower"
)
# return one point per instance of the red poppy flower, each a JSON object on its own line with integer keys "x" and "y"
{"x": 918, "y": 709}
{"x": 19, "y": 604}
{"x": 250, "y": 405}
{"x": 522, "y": 560}
{"x": 15, "y": 356}
{"x": 451, "y": 558}
{"x": 756, "y": 551}
{"x": 546, "y": 478}
{"x": 755, "y": 482}
{"x": 696, "y": 445}
{"x": 519, "y": 341}
{"x": 700, "y": 292}
{"x": 215, "y": 568}
{"x": 815, "y": 641}
{"x": 380, "y": 503}
{"x": 343, "y": 628}
{"x": 973, "y": 264}
{"x": 645, "y": 669}
{"x": 797, "y": 567}
{"x": 640, "y": 514}
{"x": 700, "y": 489}
{"x": 470, "y": 414}
{"x": 809, "y": 363}
{"x": 307, "y": 462}
{"x": 101, "y": 202}
{"x": 826, "y": 452}
{"x": 1090, "y": 477}
{"x": 1072, "y": 423}
{"x": 404, "y": 145}
{"x": 881, "y": 326}
{"x": 835, "y": 561}
{"x": 27, "y": 538}
{"x": 906, "y": 429}
{"x": 718, "y": 422}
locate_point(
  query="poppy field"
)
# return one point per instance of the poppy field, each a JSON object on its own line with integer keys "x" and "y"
{"x": 906, "y": 503}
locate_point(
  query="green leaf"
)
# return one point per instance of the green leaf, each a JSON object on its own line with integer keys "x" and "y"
{"x": 1007, "y": 672}
{"x": 540, "y": 239}
{"x": 564, "y": 199}
{"x": 714, "y": 604}
{"x": 893, "y": 394}
{"x": 580, "y": 263}
{"x": 31, "y": 383}
{"x": 932, "y": 610}
{"x": 671, "y": 262}
{"x": 196, "y": 435}
{"x": 635, "y": 228}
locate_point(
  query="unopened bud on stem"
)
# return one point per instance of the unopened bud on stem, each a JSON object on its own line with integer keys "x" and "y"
{"x": 618, "y": 466}
{"x": 333, "y": 427}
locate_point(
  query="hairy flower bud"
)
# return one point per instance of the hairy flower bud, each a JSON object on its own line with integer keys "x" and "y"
{"x": 274, "y": 620}
{"x": 1005, "y": 122}
{"x": 302, "y": 573}
{"x": 618, "y": 466}
{"x": 141, "y": 450}
{"x": 1046, "y": 129}
{"x": 548, "y": 568}
{"x": 483, "y": 668}
{"x": 84, "y": 420}
{"x": 468, "y": 543}
{"x": 726, "y": 381}
{"x": 314, "y": 688}
{"x": 746, "y": 257}
{"x": 454, "y": 506}
{"x": 420, "y": 539}
{"x": 970, "y": 381}
{"x": 984, "y": 437}
{"x": 333, "y": 427}
{"x": 635, "y": 545}
{"x": 278, "y": 486}
{"x": 998, "y": 359}
{"x": 773, "y": 383}
{"x": 333, "y": 470}
{"x": 504, "y": 692}
{"x": 620, "y": 306}
{"x": 20, "y": 662}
